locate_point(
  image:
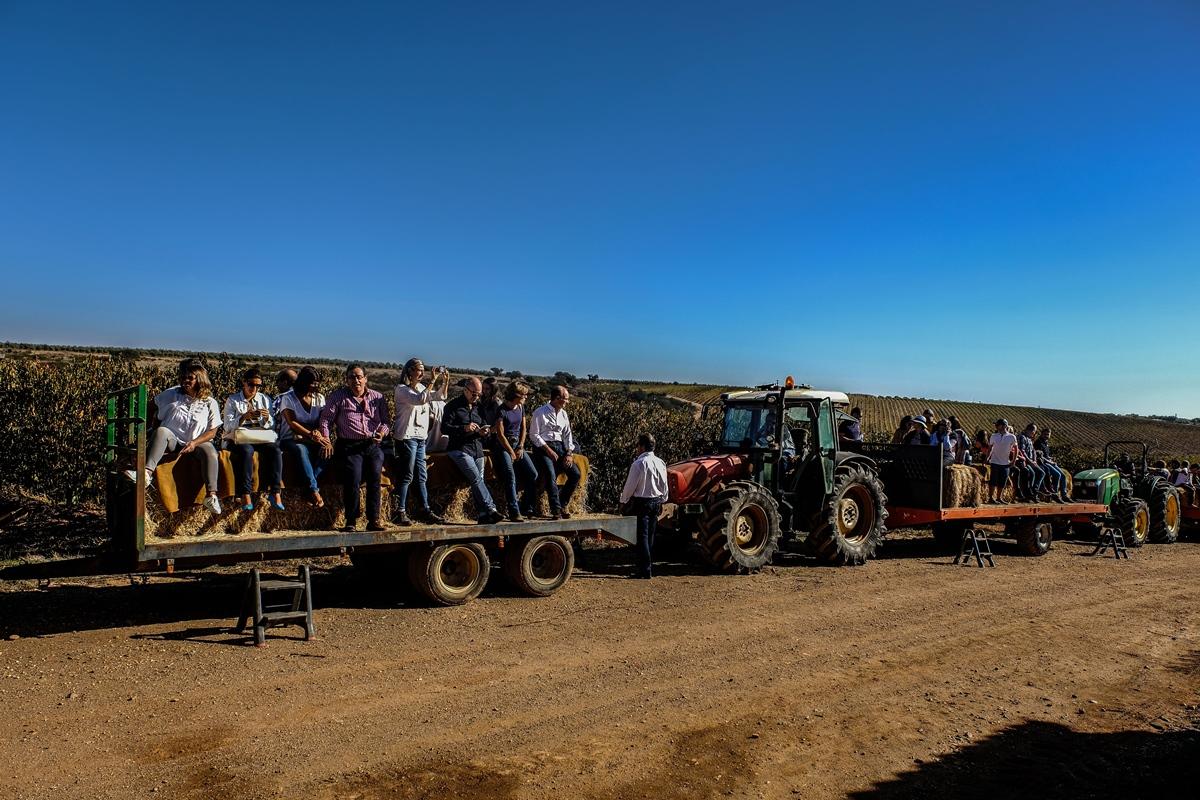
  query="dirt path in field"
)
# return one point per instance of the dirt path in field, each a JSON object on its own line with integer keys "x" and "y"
{"x": 1062, "y": 676}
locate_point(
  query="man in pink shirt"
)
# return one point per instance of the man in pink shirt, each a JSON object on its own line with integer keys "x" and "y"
{"x": 360, "y": 417}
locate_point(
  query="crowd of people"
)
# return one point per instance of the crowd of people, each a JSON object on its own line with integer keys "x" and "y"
{"x": 354, "y": 428}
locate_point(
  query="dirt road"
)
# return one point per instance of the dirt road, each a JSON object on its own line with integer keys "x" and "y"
{"x": 1061, "y": 676}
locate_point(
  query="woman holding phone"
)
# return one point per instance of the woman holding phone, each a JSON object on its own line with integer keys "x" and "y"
{"x": 249, "y": 429}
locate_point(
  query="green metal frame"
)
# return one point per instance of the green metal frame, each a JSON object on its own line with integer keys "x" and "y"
{"x": 125, "y": 443}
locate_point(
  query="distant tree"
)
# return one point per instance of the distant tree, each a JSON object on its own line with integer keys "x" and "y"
{"x": 565, "y": 378}
{"x": 497, "y": 371}
{"x": 515, "y": 374}
{"x": 593, "y": 378}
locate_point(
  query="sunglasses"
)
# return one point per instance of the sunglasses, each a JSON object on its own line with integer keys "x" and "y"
{"x": 248, "y": 383}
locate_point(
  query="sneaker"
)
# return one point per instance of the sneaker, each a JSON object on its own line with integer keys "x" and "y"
{"x": 132, "y": 475}
{"x": 212, "y": 504}
{"x": 403, "y": 519}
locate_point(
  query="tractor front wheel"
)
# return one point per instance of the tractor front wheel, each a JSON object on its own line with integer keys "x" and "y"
{"x": 853, "y": 522}
{"x": 739, "y": 531}
{"x": 1133, "y": 518}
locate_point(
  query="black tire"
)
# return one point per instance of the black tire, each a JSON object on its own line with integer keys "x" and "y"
{"x": 1133, "y": 518}
{"x": 539, "y": 565}
{"x": 948, "y": 536}
{"x": 854, "y": 518}
{"x": 739, "y": 530}
{"x": 1166, "y": 513}
{"x": 1034, "y": 536}
{"x": 450, "y": 574}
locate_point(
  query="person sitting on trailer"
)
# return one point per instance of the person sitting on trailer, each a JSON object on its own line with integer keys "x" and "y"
{"x": 300, "y": 409}
{"x": 944, "y": 438}
{"x": 1035, "y": 473}
{"x": 962, "y": 442}
{"x": 1184, "y": 478}
{"x": 188, "y": 419}
{"x": 359, "y": 416}
{"x": 902, "y": 429}
{"x": 554, "y": 447}
{"x": 1159, "y": 468}
{"x": 285, "y": 379}
{"x": 1001, "y": 448}
{"x": 982, "y": 444}
{"x": 850, "y": 436}
{"x": 511, "y": 461}
{"x": 1055, "y": 477}
{"x": 643, "y": 495}
{"x": 918, "y": 432}
{"x": 249, "y": 411}
{"x": 467, "y": 431}
{"x": 1173, "y": 470}
{"x": 1195, "y": 484}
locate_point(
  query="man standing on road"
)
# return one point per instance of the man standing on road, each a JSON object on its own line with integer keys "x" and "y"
{"x": 467, "y": 430}
{"x": 553, "y": 450}
{"x": 1000, "y": 455}
{"x": 644, "y": 493}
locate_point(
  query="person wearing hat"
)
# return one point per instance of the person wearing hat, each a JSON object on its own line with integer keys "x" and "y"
{"x": 1001, "y": 447}
{"x": 918, "y": 431}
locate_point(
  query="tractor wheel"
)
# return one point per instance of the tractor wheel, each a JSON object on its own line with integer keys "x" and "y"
{"x": 739, "y": 531}
{"x": 853, "y": 520}
{"x": 540, "y": 565}
{"x": 948, "y": 536}
{"x": 1033, "y": 536}
{"x": 1133, "y": 518}
{"x": 1166, "y": 513}
{"x": 450, "y": 574}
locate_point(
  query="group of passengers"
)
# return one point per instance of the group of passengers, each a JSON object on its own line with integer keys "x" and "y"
{"x": 1182, "y": 474}
{"x": 354, "y": 428}
{"x": 1025, "y": 455}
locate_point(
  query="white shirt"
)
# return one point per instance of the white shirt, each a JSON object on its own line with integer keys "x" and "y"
{"x": 647, "y": 478}
{"x": 237, "y": 404}
{"x": 308, "y": 418}
{"x": 1002, "y": 445}
{"x": 187, "y": 418}
{"x": 436, "y": 441}
{"x": 412, "y": 412}
{"x": 1183, "y": 479}
{"x": 549, "y": 425}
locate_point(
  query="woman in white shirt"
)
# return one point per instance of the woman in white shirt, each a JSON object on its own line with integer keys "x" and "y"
{"x": 410, "y": 433}
{"x": 188, "y": 420}
{"x": 300, "y": 412}
{"x": 437, "y": 442}
{"x": 250, "y": 410}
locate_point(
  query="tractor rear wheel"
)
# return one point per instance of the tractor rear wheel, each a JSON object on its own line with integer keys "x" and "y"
{"x": 1133, "y": 518}
{"x": 540, "y": 565}
{"x": 852, "y": 524}
{"x": 1034, "y": 536}
{"x": 739, "y": 531}
{"x": 1166, "y": 513}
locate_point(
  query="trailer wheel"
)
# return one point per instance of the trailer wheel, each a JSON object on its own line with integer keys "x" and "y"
{"x": 739, "y": 531}
{"x": 540, "y": 565}
{"x": 1166, "y": 513}
{"x": 948, "y": 536}
{"x": 450, "y": 574}
{"x": 1034, "y": 536}
{"x": 853, "y": 524}
{"x": 1133, "y": 518}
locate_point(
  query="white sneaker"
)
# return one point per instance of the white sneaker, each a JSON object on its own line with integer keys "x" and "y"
{"x": 132, "y": 475}
{"x": 212, "y": 504}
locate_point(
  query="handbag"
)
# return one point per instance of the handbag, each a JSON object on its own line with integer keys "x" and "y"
{"x": 255, "y": 436}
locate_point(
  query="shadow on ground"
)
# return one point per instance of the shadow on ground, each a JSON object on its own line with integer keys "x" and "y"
{"x": 1043, "y": 759}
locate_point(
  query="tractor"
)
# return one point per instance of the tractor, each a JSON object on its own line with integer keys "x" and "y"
{"x": 775, "y": 475}
{"x": 1143, "y": 504}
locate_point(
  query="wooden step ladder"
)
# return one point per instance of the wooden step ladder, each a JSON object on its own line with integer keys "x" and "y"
{"x": 297, "y": 611}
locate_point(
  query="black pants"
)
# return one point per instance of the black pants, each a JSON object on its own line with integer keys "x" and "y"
{"x": 646, "y": 511}
{"x": 270, "y": 462}
{"x": 361, "y": 461}
{"x": 549, "y": 468}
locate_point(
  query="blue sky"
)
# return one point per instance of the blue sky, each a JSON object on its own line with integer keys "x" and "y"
{"x": 979, "y": 201}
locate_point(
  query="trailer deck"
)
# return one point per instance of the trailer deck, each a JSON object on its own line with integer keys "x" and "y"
{"x": 906, "y": 517}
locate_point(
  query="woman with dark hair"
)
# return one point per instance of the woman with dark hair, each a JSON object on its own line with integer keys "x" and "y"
{"x": 903, "y": 429}
{"x": 300, "y": 410}
{"x": 188, "y": 419}
{"x": 410, "y": 430}
{"x": 249, "y": 429}
{"x": 509, "y": 459}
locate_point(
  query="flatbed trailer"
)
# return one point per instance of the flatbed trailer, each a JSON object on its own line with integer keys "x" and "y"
{"x": 449, "y": 563}
{"x": 913, "y": 476}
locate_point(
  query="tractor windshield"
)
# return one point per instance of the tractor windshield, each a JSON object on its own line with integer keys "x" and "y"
{"x": 748, "y": 426}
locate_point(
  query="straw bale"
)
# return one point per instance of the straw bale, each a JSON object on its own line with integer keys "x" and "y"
{"x": 962, "y": 487}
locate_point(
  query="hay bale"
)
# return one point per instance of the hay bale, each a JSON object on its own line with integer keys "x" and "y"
{"x": 299, "y": 515}
{"x": 449, "y": 495}
{"x": 963, "y": 487}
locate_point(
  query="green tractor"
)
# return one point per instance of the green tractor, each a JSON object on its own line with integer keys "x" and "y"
{"x": 774, "y": 476}
{"x": 1142, "y": 503}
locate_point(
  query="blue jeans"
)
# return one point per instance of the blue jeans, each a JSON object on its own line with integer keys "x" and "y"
{"x": 472, "y": 470}
{"x": 410, "y": 457}
{"x": 549, "y": 469}
{"x": 646, "y": 511}
{"x": 509, "y": 473}
{"x": 312, "y": 462}
{"x": 1055, "y": 478}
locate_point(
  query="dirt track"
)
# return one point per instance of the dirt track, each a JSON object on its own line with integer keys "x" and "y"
{"x": 1060, "y": 676}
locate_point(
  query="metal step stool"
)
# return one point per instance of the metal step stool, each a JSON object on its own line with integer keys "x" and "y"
{"x": 273, "y": 615}
{"x": 975, "y": 543}
{"x": 1111, "y": 537}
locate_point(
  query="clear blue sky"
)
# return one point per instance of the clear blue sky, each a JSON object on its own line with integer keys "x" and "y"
{"x": 988, "y": 201}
